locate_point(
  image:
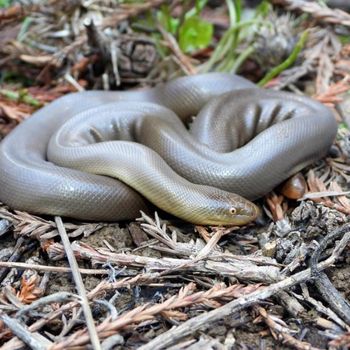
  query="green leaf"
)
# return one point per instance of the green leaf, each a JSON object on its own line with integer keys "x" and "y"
{"x": 5, "y": 3}
{"x": 195, "y": 34}
{"x": 169, "y": 23}
{"x": 200, "y": 5}
{"x": 344, "y": 39}
{"x": 195, "y": 11}
{"x": 238, "y": 10}
{"x": 263, "y": 9}
{"x": 287, "y": 62}
{"x": 22, "y": 95}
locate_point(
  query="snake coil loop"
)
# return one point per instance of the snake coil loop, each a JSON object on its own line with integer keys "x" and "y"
{"x": 65, "y": 159}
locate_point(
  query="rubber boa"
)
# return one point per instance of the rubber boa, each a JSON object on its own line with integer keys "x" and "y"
{"x": 99, "y": 155}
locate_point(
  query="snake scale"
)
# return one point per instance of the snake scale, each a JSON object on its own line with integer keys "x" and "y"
{"x": 99, "y": 155}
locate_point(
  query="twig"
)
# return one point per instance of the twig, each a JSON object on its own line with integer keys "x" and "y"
{"x": 210, "y": 246}
{"x": 329, "y": 293}
{"x": 131, "y": 10}
{"x": 21, "y": 332}
{"x": 185, "y": 298}
{"x": 99, "y": 290}
{"x": 52, "y": 298}
{"x": 73, "y": 82}
{"x": 5, "y": 225}
{"x": 33, "y": 226}
{"x": 59, "y": 269}
{"x": 322, "y": 13}
{"x": 184, "y": 61}
{"x": 227, "y": 265}
{"x": 341, "y": 342}
{"x": 112, "y": 342}
{"x": 291, "y": 304}
{"x": 315, "y": 184}
{"x": 319, "y": 307}
{"x": 20, "y": 248}
{"x": 79, "y": 284}
{"x": 278, "y": 327}
{"x": 323, "y": 244}
{"x": 204, "y": 320}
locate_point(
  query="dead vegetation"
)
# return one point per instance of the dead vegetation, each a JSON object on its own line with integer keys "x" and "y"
{"x": 153, "y": 283}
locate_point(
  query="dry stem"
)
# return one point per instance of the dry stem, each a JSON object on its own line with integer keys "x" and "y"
{"x": 322, "y": 13}
{"x": 79, "y": 284}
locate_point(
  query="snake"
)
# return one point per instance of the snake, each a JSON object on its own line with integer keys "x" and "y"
{"x": 199, "y": 147}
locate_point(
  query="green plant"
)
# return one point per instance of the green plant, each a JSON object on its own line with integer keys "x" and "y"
{"x": 21, "y": 95}
{"x": 192, "y": 31}
{"x": 226, "y": 57}
{"x": 169, "y": 23}
{"x": 194, "y": 34}
{"x": 5, "y": 3}
{"x": 287, "y": 62}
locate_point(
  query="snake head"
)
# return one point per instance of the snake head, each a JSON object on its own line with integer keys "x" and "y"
{"x": 229, "y": 209}
{"x": 241, "y": 211}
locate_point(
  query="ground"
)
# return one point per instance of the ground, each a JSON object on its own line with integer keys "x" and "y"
{"x": 158, "y": 282}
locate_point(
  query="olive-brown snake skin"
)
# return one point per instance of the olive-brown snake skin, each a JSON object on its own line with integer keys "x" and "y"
{"x": 244, "y": 142}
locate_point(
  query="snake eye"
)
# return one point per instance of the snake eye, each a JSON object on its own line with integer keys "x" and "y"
{"x": 233, "y": 211}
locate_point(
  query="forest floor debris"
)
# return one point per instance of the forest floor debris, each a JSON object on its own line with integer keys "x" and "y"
{"x": 158, "y": 282}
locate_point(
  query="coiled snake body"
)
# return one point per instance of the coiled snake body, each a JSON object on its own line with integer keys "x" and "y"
{"x": 64, "y": 160}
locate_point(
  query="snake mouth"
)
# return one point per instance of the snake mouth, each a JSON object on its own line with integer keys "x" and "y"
{"x": 247, "y": 214}
{"x": 257, "y": 212}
